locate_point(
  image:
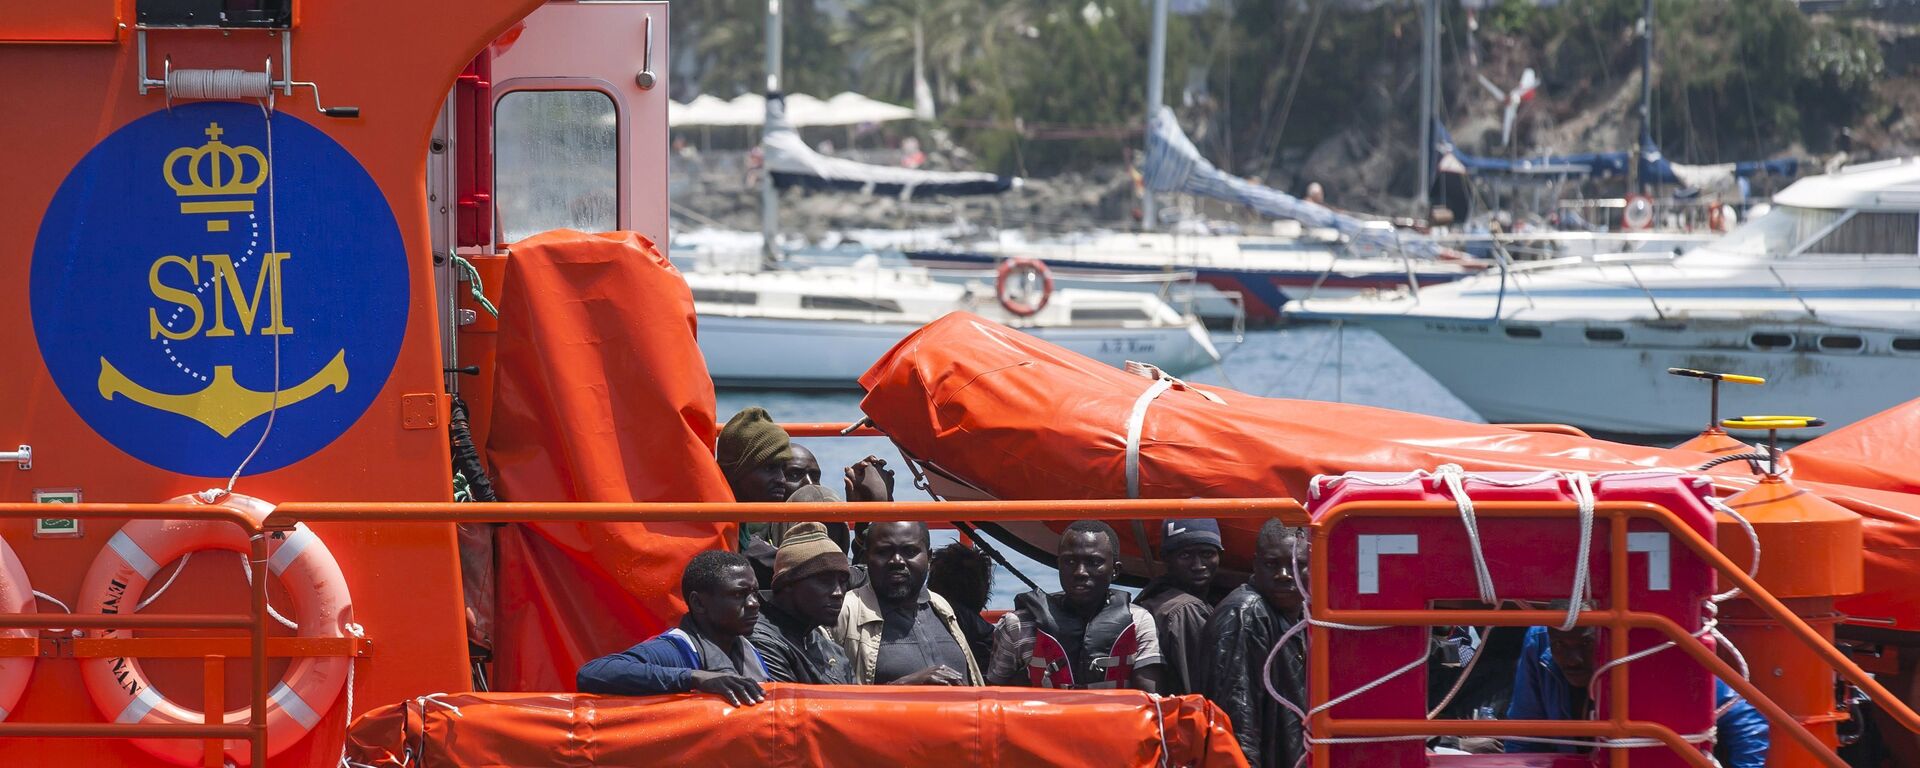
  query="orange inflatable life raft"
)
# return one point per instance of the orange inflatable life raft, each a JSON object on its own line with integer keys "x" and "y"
{"x": 1015, "y": 417}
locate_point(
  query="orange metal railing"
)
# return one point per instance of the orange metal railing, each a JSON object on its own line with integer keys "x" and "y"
{"x": 1618, "y": 617}
{"x": 260, "y": 648}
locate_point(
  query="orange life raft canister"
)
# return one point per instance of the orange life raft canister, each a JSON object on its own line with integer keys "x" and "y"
{"x": 321, "y": 608}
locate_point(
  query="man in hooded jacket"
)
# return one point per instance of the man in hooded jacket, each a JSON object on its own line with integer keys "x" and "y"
{"x": 1181, "y": 599}
{"x": 1242, "y": 632}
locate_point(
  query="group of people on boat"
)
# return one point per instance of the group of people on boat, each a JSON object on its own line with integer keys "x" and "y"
{"x": 876, "y": 618}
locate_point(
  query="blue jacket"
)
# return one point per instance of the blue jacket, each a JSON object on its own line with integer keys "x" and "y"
{"x": 1540, "y": 692}
{"x": 664, "y": 664}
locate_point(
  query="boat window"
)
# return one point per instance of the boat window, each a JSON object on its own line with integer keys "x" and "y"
{"x": 717, "y": 296}
{"x": 556, "y": 162}
{"x": 1906, "y": 344}
{"x": 1869, "y": 234}
{"x": 1772, "y": 340}
{"x": 1842, "y": 343}
{"x": 849, "y": 304}
{"x": 1606, "y": 334}
{"x": 1523, "y": 332}
{"x": 1777, "y": 232}
{"x": 1109, "y": 314}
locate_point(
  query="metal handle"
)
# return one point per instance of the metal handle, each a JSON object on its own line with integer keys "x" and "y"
{"x": 22, "y": 457}
{"x": 646, "y": 79}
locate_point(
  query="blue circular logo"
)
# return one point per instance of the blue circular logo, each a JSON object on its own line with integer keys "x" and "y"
{"x": 203, "y": 272}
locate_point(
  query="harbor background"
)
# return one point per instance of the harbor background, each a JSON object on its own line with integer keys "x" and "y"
{"x": 1352, "y": 365}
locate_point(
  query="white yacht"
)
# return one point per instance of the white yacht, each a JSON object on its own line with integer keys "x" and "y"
{"x": 1820, "y": 295}
{"x": 822, "y": 327}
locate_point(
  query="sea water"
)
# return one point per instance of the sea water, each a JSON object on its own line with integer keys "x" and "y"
{"x": 1352, "y": 365}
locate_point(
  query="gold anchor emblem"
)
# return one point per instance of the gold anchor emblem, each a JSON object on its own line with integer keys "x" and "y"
{"x": 224, "y": 406}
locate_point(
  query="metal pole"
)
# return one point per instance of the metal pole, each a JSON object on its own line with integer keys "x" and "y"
{"x": 1156, "y": 77}
{"x": 1429, "y": 48}
{"x": 769, "y": 198}
{"x": 1646, "y": 69}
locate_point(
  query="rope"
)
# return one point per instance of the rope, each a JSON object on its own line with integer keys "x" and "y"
{"x": 246, "y": 567}
{"x": 1464, "y": 674}
{"x": 1753, "y": 539}
{"x": 1160, "y": 722}
{"x": 359, "y": 633}
{"x": 164, "y": 585}
{"x": 1453, "y": 477}
{"x": 273, "y": 246}
{"x": 471, "y": 274}
{"x": 1582, "y": 487}
{"x": 52, "y": 599}
{"x": 219, "y": 84}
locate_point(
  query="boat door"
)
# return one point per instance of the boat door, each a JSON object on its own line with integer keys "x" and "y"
{"x": 579, "y": 94}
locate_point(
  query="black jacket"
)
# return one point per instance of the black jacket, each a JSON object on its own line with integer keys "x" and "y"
{"x": 1240, "y": 634}
{"x": 1181, "y": 620}
{"x": 795, "y": 652}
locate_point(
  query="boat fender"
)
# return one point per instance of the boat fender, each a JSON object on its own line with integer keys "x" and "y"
{"x": 1022, "y": 273}
{"x": 16, "y": 596}
{"x": 1055, "y": 665}
{"x": 313, "y": 582}
{"x": 1638, "y": 213}
{"x": 1717, "y": 217}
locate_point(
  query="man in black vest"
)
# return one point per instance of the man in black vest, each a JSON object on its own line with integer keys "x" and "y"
{"x": 1087, "y": 635}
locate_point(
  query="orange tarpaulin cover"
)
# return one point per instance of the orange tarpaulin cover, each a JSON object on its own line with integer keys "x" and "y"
{"x": 801, "y": 726}
{"x": 601, "y": 394}
{"x": 1023, "y": 419}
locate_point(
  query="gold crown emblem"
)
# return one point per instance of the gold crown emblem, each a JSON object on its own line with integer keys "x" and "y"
{"x": 215, "y": 168}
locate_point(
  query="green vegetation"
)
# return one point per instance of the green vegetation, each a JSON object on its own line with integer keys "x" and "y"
{"x": 1038, "y": 87}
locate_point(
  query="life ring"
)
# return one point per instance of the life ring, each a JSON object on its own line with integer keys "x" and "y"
{"x": 16, "y": 596}
{"x": 321, "y": 606}
{"x": 1014, "y": 283}
{"x": 1638, "y": 213}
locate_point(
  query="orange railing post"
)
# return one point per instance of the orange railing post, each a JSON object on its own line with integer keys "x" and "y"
{"x": 215, "y": 730}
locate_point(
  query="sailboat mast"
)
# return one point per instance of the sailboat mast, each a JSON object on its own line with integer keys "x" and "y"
{"x": 1429, "y": 46}
{"x": 1646, "y": 69}
{"x": 1156, "y": 77}
{"x": 769, "y": 199}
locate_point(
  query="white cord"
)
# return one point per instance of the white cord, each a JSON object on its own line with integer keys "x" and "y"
{"x": 1464, "y": 674}
{"x": 52, "y": 599}
{"x": 246, "y": 567}
{"x": 273, "y": 247}
{"x": 1454, "y": 478}
{"x": 1753, "y": 539}
{"x": 1160, "y": 721}
{"x": 358, "y": 632}
{"x": 1582, "y": 488}
{"x": 165, "y": 584}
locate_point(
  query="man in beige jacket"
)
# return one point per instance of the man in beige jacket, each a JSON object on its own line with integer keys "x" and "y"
{"x": 893, "y": 629}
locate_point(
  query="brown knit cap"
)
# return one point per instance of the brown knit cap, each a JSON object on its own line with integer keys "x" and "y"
{"x": 750, "y": 440}
{"x": 807, "y": 552}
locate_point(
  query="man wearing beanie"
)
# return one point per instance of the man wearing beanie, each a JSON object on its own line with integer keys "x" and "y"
{"x": 809, "y": 584}
{"x": 753, "y": 452}
{"x": 1181, "y": 599}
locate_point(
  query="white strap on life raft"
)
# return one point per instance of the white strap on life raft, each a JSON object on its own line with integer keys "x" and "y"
{"x": 1137, "y": 419}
